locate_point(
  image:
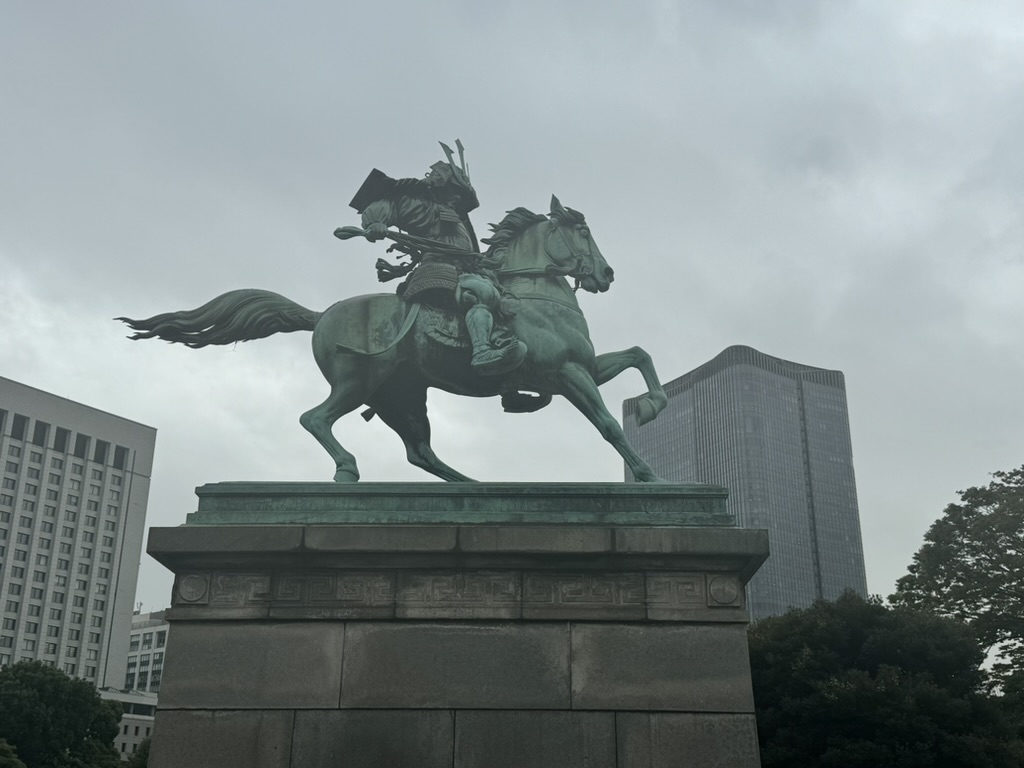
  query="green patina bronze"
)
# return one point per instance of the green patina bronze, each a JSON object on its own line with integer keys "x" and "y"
{"x": 503, "y": 322}
{"x": 602, "y": 504}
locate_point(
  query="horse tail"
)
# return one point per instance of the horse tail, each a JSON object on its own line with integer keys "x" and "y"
{"x": 242, "y": 315}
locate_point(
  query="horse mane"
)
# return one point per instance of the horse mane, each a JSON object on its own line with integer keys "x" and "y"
{"x": 506, "y": 231}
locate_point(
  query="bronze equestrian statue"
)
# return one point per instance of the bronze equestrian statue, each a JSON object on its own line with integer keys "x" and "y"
{"x": 504, "y": 322}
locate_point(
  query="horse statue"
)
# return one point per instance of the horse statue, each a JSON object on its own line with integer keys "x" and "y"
{"x": 379, "y": 351}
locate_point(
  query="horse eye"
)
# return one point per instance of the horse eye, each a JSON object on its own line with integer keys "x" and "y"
{"x": 584, "y": 232}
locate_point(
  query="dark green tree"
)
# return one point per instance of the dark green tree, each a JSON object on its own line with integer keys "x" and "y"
{"x": 854, "y": 684}
{"x": 140, "y": 758}
{"x": 971, "y": 567}
{"x": 9, "y": 757}
{"x": 55, "y": 721}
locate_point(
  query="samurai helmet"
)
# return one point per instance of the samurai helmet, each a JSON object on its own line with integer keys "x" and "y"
{"x": 456, "y": 177}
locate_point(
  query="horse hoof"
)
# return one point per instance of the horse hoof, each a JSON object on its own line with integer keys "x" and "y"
{"x": 648, "y": 407}
{"x": 346, "y": 476}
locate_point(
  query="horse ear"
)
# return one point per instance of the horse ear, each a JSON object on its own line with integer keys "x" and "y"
{"x": 556, "y": 207}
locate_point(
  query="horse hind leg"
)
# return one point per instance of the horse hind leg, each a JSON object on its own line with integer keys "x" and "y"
{"x": 319, "y": 421}
{"x": 404, "y": 409}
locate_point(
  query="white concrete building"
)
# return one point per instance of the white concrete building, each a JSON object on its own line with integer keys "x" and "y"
{"x": 74, "y": 484}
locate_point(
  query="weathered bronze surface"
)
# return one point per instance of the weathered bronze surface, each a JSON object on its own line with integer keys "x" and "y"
{"x": 504, "y": 322}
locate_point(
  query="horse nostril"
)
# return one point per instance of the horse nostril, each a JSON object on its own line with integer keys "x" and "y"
{"x": 609, "y": 273}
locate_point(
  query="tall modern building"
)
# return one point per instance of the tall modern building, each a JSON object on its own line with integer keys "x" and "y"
{"x": 777, "y": 435}
{"x": 75, "y": 482}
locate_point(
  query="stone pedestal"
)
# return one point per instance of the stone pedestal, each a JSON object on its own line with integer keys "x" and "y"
{"x": 457, "y": 626}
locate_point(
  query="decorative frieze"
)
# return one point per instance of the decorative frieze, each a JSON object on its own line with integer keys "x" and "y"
{"x": 467, "y": 594}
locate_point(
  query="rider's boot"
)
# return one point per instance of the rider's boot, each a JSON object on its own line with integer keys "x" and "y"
{"x": 489, "y": 360}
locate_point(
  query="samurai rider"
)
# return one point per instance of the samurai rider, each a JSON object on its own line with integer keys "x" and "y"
{"x": 447, "y": 270}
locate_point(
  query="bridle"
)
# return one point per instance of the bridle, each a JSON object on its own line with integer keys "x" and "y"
{"x": 582, "y": 267}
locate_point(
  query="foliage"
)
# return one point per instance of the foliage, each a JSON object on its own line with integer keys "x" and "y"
{"x": 55, "y": 721}
{"x": 971, "y": 567}
{"x": 9, "y": 757}
{"x": 855, "y": 684}
{"x": 140, "y": 758}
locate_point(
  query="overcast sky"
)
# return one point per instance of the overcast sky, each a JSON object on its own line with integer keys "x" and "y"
{"x": 835, "y": 183}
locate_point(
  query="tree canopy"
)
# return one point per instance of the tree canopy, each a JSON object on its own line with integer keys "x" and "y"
{"x": 140, "y": 757}
{"x": 971, "y": 567}
{"x": 55, "y": 721}
{"x": 9, "y": 757}
{"x": 856, "y": 684}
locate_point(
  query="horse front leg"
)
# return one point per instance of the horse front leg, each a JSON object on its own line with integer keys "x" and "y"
{"x": 580, "y": 389}
{"x": 611, "y": 364}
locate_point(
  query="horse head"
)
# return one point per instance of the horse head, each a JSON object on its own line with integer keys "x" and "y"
{"x": 556, "y": 245}
{"x": 573, "y": 252}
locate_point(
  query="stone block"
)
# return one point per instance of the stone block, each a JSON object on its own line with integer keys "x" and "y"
{"x": 333, "y": 595}
{"x": 664, "y": 740}
{"x": 458, "y": 595}
{"x": 456, "y": 666}
{"x": 251, "y": 665}
{"x": 583, "y": 595}
{"x": 690, "y": 668}
{"x": 234, "y": 538}
{"x": 497, "y": 739}
{"x": 222, "y": 739}
{"x": 535, "y": 538}
{"x": 381, "y": 538}
{"x": 373, "y": 738}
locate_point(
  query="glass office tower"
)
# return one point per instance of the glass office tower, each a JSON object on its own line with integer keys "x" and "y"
{"x": 777, "y": 435}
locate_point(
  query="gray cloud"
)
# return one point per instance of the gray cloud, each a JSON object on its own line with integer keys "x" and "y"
{"x": 833, "y": 183}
